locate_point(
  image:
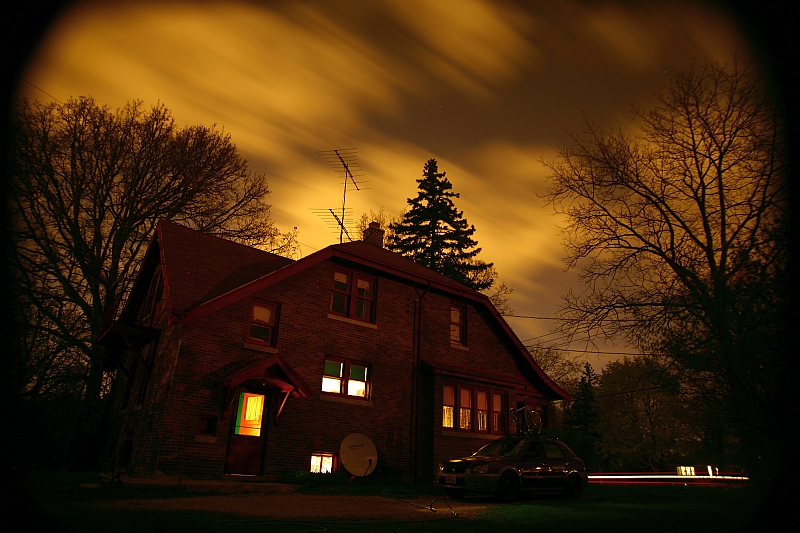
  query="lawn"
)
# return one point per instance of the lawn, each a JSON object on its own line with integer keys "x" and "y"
{"x": 602, "y": 508}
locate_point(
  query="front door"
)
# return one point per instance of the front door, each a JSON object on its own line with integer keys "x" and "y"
{"x": 246, "y": 444}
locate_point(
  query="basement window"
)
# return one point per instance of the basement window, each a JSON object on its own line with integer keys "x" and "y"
{"x": 322, "y": 463}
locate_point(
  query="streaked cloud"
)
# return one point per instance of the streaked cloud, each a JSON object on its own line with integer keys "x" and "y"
{"x": 487, "y": 88}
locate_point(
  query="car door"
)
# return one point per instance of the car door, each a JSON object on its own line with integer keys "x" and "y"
{"x": 556, "y": 472}
{"x": 533, "y": 467}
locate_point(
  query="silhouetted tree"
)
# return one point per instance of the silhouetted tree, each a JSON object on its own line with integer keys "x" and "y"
{"x": 678, "y": 231}
{"x": 583, "y": 414}
{"x": 434, "y": 233}
{"x": 645, "y": 420}
{"x": 87, "y": 187}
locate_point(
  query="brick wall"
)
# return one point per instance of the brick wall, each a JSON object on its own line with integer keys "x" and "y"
{"x": 193, "y": 357}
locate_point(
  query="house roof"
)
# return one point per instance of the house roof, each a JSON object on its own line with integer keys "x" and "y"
{"x": 199, "y": 267}
{"x": 204, "y": 273}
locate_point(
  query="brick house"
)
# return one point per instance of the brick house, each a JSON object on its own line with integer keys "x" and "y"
{"x": 235, "y": 361}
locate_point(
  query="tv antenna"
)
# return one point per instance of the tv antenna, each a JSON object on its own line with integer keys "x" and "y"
{"x": 343, "y": 161}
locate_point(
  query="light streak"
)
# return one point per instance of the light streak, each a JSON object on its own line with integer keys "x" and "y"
{"x": 667, "y": 479}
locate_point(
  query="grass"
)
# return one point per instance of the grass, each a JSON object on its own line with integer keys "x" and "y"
{"x": 601, "y": 509}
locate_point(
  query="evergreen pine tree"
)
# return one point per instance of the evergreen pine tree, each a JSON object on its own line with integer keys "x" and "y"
{"x": 434, "y": 233}
{"x": 584, "y": 416}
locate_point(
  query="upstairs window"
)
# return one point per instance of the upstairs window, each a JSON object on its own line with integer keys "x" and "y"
{"x": 263, "y": 319}
{"x": 353, "y": 295}
{"x": 458, "y": 323}
{"x": 346, "y": 379}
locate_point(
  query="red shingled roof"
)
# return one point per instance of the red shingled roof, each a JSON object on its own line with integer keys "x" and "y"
{"x": 206, "y": 273}
{"x": 200, "y": 266}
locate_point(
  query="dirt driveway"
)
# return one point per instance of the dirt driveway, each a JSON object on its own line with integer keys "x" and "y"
{"x": 304, "y": 506}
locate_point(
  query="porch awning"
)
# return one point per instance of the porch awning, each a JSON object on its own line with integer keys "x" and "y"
{"x": 271, "y": 372}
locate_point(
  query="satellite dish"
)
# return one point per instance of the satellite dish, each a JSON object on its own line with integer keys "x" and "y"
{"x": 358, "y": 454}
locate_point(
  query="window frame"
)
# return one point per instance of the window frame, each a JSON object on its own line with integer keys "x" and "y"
{"x": 251, "y": 321}
{"x": 474, "y": 416}
{"x": 351, "y": 295}
{"x": 461, "y": 324}
{"x": 345, "y": 379}
{"x": 334, "y": 462}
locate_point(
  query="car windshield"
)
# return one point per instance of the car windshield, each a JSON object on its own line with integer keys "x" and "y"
{"x": 502, "y": 448}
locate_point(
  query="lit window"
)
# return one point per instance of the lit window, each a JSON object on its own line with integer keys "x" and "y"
{"x": 263, "y": 318}
{"x": 322, "y": 463}
{"x": 476, "y": 410}
{"x": 465, "y": 409}
{"x": 353, "y": 295}
{"x": 458, "y": 319}
{"x": 448, "y": 406}
{"x": 332, "y": 379}
{"x": 497, "y": 413}
{"x": 346, "y": 378}
{"x": 248, "y": 415}
{"x": 482, "y": 407}
{"x": 357, "y": 384}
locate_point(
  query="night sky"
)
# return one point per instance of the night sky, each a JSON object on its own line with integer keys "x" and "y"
{"x": 489, "y": 89}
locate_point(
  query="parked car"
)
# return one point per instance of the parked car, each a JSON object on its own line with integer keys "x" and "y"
{"x": 512, "y": 465}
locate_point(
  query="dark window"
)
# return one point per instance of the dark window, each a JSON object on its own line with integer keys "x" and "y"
{"x": 207, "y": 426}
{"x": 552, "y": 450}
{"x": 353, "y": 295}
{"x": 263, "y": 322}
{"x": 346, "y": 378}
{"x": 458, "y": 324}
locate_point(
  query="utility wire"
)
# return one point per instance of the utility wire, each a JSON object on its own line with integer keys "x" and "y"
{"x": 39, "y": 88}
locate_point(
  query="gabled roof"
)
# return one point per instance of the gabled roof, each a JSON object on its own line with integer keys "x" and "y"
{"x": 204, "y": 273}
{"x": 199, "y": 267}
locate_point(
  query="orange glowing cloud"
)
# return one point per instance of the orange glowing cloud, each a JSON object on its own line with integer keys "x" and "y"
{"x": 488, "y": 88}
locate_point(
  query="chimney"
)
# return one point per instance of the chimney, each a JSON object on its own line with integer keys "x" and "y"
{"x": 374, "y": 234}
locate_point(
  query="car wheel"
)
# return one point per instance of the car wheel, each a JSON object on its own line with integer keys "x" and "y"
{"x": 455, "y": 494}
{"x": 508, "y": 488}
{"x": 574, "y": 486}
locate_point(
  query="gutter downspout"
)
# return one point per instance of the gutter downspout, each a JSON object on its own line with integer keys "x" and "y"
{"x": 415, "y": 381}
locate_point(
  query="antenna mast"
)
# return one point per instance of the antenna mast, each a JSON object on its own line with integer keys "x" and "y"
{"x": 346, "y": 158}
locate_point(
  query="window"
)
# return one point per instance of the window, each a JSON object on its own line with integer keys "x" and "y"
{"x": 479, "y": 411}
{"x": 248, "y": 415}
{"x": 353, "y": 295}
{"x": 263, "y": 318}
{"x": 448, "y": 406}
{"x": 482, "y": 411}
{"x": 322, "y": 463}
{"x": 458, "y": 321}
{"x": 465, "y": 409}
{"x": 346, "y": 378}
{"x": 497, "y": 413}
{"x": 207, "y": 425}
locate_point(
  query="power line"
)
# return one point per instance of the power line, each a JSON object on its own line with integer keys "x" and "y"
{"x": 39, "y": 88}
